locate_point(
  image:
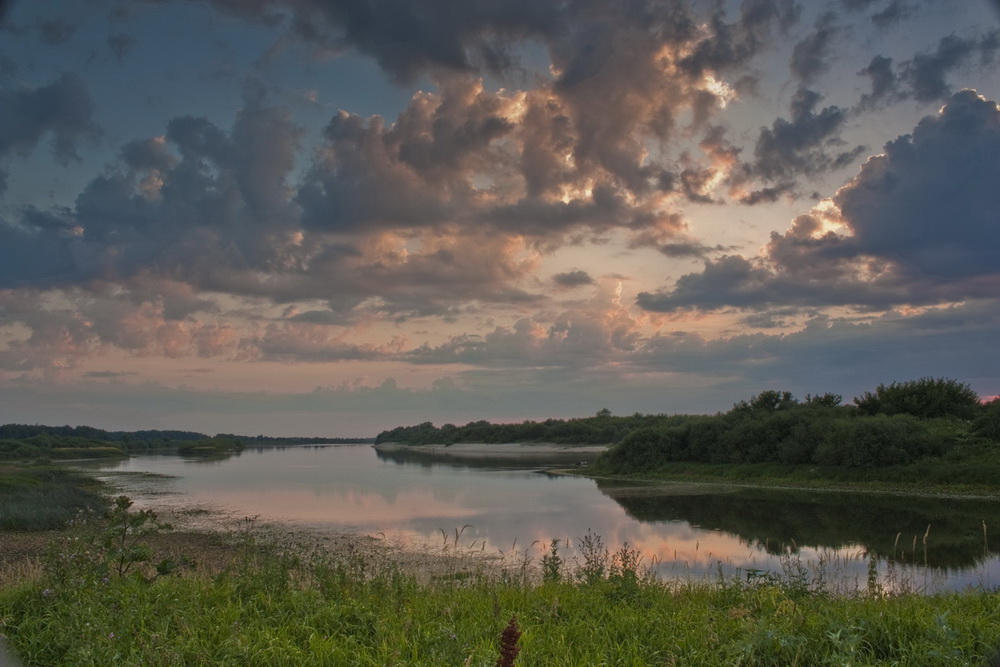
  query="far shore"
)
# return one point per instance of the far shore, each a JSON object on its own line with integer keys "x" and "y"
{"x": 507, "y": 449}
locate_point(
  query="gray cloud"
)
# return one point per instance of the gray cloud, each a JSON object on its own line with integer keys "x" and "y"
{"x": 929, "y": 202}
{"x": 121, "y": 44}
{"x": 922, "y": 228}
{"x": 62, "y": 110}
{"x": 810, "y": 56}
{"x": 884, "y": 82}
{"x": 806, "y": 144}
{"x": 572, "y": 279}
{"x": 895, "y": 12}
{"x": 925, "y": 75}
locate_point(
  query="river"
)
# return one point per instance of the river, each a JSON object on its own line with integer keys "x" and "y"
{"x": 512, "y": 506}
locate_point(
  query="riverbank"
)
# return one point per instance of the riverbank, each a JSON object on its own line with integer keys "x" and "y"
{"x": 290, "y": 604}
{"x": 520, "y": 450}
{"x": 789, "y": 478}
{"x": 276, "y": 594}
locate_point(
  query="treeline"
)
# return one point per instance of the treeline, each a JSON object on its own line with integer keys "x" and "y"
{"x": 898, "y": 424}
{"x": 602, "y": 429}
{"x": 895, "y": 424}
{"x": 271, "y": 441}
{"x": 23, "y": 441}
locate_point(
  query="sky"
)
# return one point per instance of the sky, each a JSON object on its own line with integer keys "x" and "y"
{"x": 333, "y": 217}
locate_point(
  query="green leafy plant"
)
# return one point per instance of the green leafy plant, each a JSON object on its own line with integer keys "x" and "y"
{"x": 125, "y": 535}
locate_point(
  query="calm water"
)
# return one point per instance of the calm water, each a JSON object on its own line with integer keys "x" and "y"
{"x": 688, "y": 530}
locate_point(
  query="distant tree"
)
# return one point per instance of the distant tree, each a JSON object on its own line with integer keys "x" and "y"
{"x": 767, "y": 401}
{"x": 987, "y": 424}
{"x": 824, "y": 400}
{"x": 926, "y": 398}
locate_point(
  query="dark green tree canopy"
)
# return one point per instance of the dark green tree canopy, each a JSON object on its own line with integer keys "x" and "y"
{"x": 926, "y": 398}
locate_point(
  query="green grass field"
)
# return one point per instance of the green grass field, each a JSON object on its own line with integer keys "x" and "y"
{"x": 281, "y": 603}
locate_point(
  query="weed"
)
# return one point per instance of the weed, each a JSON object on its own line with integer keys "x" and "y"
{"x": 552, "y": 564}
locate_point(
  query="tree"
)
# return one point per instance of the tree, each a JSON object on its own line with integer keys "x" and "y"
{"x": 926, "y": 398}
{"x": 767, "y": 401}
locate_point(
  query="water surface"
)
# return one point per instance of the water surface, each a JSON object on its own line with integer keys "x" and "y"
{"x": 510, "y": 506}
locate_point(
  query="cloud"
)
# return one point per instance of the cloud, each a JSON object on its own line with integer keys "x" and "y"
{"x": 884, "y": 82}
{"x": 810, "y": 56}
{"x": 121, "y": 44}
{"x": 895, "y": 12}
{"x": 808, "y": 143}
{"x": 916, "y": 226}
{"x": 572, "y": 279}
{"x": 925, "y": 74}
{"x": 928, "y": 202}
{"x": 61, "y": 110}
{"x": 585, "y": 336}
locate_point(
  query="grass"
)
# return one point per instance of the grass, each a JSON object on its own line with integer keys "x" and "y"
{"x": 44, "y": 496}
{"x": 281, "y": 603}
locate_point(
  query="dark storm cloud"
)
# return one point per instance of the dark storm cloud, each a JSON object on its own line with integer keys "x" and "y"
{"x": 61, "y": 110}
{"x": 922, "y": 221}
{"x": 805, "y": 144}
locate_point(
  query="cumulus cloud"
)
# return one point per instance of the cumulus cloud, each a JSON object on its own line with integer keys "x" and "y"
{"x": 928, "y": 203}
{"x": 916, "y": 226}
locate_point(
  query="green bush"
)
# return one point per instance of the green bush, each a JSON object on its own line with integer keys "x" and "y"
{"x": 927, "y": 398}
{"x": 874, "y": 442}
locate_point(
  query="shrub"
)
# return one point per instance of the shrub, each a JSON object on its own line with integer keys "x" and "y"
{"x": 873, "y": 442}
{"x": 926, "y": 398}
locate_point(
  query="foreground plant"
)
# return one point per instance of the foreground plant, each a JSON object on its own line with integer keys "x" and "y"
{"x": 285, "y": 605}
{"x": 508, "y": 644}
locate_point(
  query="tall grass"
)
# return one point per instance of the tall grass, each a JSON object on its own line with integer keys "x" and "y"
{"x": 45, "y": 497}
{"x": 278, "y": 603}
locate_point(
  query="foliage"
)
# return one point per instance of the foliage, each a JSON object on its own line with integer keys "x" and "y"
{"x": 24, "y": 442}
{"x": 45, "y": 497}
{"x": 926, "y": 398}
{"x": 900, "y": 425}
{"x": 220, "y": 445}
{"x": 124, "y": 539}
{"x": 320, "y": 608}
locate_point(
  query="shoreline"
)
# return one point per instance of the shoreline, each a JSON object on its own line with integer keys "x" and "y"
{"x": 498, "y": 450}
